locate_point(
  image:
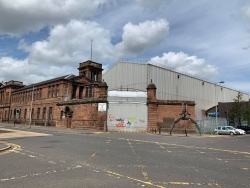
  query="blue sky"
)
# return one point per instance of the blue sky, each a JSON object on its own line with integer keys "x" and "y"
{"x": 40, "y": 40}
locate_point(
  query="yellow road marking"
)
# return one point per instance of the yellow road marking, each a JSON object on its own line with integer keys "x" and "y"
{"x": 179, "y": 183}
{"x": 13, "y": 147}
{"x": 185, "y": 146}
{"x": 134, "y": 179}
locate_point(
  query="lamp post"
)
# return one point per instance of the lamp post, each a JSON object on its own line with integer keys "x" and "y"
{"x": 216, "y": 111}
{"x": 31, "y": 104}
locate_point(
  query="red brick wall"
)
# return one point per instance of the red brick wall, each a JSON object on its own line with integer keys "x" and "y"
{"x": 174, "y": 111}
{"x": 160, "y": 109}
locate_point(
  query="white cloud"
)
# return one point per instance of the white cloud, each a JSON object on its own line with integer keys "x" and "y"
{"x": 182, "y": 62}
{"x": 138, "y": 38}
{"x": 18, "y": 17}
{"x": 13, "y": 69}
{"x": 71, "y": 44}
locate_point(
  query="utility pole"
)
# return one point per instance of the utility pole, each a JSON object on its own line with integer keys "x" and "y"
{"x": 91, "y": 50}
{"x": 216, "y": 110}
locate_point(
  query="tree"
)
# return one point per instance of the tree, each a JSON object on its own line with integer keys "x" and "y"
{"x": 237, "y": 112}
{"x": 246, "y": 114}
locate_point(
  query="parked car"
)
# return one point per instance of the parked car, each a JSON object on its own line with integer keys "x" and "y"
{"x": 240, "y": 131}
{"x": 225, "y": 130}
{"x": 244, "y": 127}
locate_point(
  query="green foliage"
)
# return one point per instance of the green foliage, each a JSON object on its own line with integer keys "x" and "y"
{"x": 246, "y": 114}
{"x": 240, "y": 111}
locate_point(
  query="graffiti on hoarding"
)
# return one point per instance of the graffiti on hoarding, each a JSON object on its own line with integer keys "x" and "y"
{"x": 141, "y": 120}
{"x": 119, "y": 119}
{"x": 129, "y": 123}
{"x": 121, "y": 124}
{"x": 132, "y": 118}
{"x": 111, "y": 117}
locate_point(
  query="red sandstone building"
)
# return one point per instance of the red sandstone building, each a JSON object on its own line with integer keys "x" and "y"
{"x": 67, "y": 101}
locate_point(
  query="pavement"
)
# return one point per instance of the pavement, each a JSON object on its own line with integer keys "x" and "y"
{"x": 8, "y": 130}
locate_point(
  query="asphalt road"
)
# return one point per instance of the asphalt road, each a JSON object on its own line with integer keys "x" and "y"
{"x": 77, "y": 158}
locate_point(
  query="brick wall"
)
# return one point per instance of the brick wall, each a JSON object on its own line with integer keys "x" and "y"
{"x": 174, "y": 111}
{"x": 164, "y": 113}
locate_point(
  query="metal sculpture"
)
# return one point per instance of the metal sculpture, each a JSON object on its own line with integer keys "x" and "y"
{"x": 185, "y": 116}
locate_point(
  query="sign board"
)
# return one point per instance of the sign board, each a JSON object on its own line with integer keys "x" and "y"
{"x": 216, "y": 114}
{"x": 102, "y": 106}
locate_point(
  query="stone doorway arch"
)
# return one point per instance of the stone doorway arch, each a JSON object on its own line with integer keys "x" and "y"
{"x": 68, "y": 114}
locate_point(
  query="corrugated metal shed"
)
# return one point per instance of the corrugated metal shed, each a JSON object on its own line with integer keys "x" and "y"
{"x": 170, "y": 85}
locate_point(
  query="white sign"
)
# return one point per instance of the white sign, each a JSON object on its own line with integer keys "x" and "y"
{"x": 102, "y": 106}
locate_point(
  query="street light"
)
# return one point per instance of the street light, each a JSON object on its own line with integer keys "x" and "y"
{"x": 216, "y": 113}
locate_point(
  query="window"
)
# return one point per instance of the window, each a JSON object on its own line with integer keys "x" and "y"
{"x": 24, "y": 96}
{"x": 80, "y": 92}
{"x": 38, "y": 113}
{"x": 7, "y": 97}
{"x": 34, "y": 94}
{"x": 90, "y": 91}
{"x": 10, "y": 114}
{"x": 94, "y": 76}
{"x": 53, "y": 91}
{"x": 87, "y": 92}
{"x": 61, "y": 115}
{"x": 29, "y": 95}
{"x": 40, "y": 94}
{"x": 74, "y": 92}
{"x": 50, "y": 112}
{"x": 44, "y": 113}
{"x": 57, "y": 90}
{"x": 49, "y": 91}
{"x": 25, "y": 113}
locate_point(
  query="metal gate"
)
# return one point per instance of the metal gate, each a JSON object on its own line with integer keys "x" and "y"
{"x": 127, "y": 111}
